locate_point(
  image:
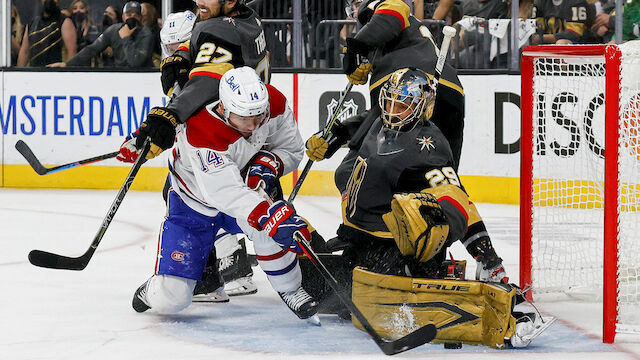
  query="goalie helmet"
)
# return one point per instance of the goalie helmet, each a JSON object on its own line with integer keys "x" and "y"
{"x": 406, "y": 98}
{"x": 177, "y": 29}
{"x": 243, "y": 93}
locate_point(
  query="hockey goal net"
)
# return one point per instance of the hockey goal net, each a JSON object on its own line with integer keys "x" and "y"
{"x": 580, "y": 178}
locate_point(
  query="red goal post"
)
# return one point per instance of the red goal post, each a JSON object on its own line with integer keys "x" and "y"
{"x": 575, "y": 205}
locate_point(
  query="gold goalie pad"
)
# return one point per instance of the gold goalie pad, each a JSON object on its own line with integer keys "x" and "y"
{"x": 471, "y": 312}
{"x": 418, "y": 224}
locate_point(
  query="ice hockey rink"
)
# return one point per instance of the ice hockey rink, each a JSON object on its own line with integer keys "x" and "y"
{"x": 58, "y": 314}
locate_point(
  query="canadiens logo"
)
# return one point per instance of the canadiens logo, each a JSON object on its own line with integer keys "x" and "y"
{"x": 349, "y": 109}
{"x": 426, "y": 143}
{"x": 177, "y": 256}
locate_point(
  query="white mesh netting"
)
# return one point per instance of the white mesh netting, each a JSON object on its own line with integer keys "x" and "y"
{"x": 568, "y": 180}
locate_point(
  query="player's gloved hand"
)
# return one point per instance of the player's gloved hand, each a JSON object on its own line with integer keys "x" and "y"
{"x": 494, "y": 273}
{"x": 354, "y": 63}
{"x": 281, "y": 222}
{"x": 128, "y": 151}
{"x": 174, "y": 68}
{"x": 265, "y": 169}
{"x": 319, "y": 148}
{"x": 160, "y": 126}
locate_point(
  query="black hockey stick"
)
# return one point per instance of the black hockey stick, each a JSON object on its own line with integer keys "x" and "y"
{"x": 325, "y": 133}
{"x": 55, "y": 261}
{"x": 24, "y": 149}
{"x": 390, "y": 347}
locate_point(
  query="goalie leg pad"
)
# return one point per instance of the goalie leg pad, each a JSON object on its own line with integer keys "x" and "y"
{"x": 470, "y": 312}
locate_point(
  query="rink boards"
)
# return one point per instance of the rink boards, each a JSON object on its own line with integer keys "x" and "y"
{"x": 69, "y": 116}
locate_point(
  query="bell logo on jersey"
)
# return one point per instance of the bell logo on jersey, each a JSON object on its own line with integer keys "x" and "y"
{"x": 177, "y": 256}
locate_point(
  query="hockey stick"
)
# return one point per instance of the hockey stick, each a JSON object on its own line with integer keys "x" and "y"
{"x": 55, "y": 261}
{"x": 390, "y": 347}
{"x": 325, "y": 134}
{"x": 449, "y": 32}
{"x": 25, "y": 151}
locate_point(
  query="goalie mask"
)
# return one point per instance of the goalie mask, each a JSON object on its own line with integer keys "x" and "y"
{"x": 177, "y": 29}
{"x": 405, "y": 100}
{"x": 244, "y": 98}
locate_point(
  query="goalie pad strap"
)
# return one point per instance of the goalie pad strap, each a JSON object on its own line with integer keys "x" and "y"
{"x": 471, "y": 312}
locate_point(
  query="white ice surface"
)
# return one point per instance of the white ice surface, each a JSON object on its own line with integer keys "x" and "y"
{"x": 57, "y": 314}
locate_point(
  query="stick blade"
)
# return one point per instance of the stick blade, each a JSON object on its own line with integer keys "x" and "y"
{"x": 412, "y": 340}
{"x": 54, "y": 261}
{"x": 26, "y": 152}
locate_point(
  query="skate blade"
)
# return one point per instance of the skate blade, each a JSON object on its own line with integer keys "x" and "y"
{"x": 314, "y": 320}
{"x": 547, "y": 321}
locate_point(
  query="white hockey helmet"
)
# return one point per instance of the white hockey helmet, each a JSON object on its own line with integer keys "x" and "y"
{"x": 176, "y": 30}
{"x": 243, "y": 93}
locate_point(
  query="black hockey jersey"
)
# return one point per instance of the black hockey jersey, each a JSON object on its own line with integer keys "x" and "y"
{"x": 217, "y": 45}
{"x": 566, "y": 19}
{"x": 368, "y": 180}
{"x": 399, "y": 40}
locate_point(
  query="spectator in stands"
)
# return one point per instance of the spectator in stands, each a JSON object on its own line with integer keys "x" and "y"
{"x": 150, "y": 20}
{"x": 351, "y": 9}
{"x": 16, "y": 34}
{"x": 604, "y": 25}
{"x": 86, "y": 31}
{"x": 111, "y": 16}
{"x": 448, "y": 10}
{"x": 44, "y": 37}
{"x": 132, "y": 42}
{"x": 563, "y": 22}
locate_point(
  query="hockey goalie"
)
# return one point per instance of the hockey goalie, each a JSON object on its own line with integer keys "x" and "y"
{"x": 402, "y": 206}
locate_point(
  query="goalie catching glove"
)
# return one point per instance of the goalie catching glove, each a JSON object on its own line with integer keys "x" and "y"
{"x": 160, "y": 126}
{"x": 418, "y": 225}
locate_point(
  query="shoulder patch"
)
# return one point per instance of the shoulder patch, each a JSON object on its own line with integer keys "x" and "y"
{"x": 396, "y": 8}
{"x": 277, "y": 101}
{"x": 207, "y": 131}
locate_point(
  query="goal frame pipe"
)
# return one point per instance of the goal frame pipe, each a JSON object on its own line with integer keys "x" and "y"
{"x": 611, "y": 54}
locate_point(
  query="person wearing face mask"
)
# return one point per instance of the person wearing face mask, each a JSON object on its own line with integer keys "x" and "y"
{"x": 131, "y": 42}
{"x": 86, "y": 30}
{"x": 45, "y": 37}
{"x": 111, "y": 16}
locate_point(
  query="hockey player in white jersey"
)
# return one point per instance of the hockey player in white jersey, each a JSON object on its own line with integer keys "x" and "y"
{"x": 251, "y": 128}
{"x": 232, "y": 260}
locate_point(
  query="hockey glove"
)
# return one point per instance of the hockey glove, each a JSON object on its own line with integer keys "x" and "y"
{"x": 281, "y": 223}
{"x": 128, "y": 151}
{"x": 264, "y": 171}
{"x": 418, "y": 224}
{"x": 160, "y": 126}
{"x": 354, "y": 63}
{"x": 174, "y": 68}
{"x": 319, "y": 148}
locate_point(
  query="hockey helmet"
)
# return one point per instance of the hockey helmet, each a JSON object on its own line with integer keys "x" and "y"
{"x": 407, "y": 97}
{"x": 243, "y": 93}
{"x": 177, "y": 29}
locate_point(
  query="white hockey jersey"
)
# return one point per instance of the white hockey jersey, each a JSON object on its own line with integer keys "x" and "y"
{"x": 206, "y": 161}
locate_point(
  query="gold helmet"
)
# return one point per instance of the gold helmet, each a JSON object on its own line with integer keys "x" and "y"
{"x": 407, "y": 97}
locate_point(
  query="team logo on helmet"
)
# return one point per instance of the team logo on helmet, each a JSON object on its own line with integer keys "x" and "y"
{"x": 232, "y": 84}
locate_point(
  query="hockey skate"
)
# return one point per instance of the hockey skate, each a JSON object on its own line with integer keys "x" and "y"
{"x": 301, "y": 303}
{"x": 494, "y": 273}
{"x": 528, "y": 327}
{"x": 139, "y": 301}
{"x": 236, "y": 270}
{"x": 217, "y": 295}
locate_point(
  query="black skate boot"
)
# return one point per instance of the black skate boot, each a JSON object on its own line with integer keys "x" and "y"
{"x": 236, "y": 272}
{"x": 301, "y": 303}
{"x": 139, "y": 302}
{"x": 211, "y": 288}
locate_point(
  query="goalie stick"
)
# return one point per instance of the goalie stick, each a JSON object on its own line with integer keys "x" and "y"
{"x": 37, "y": 166}
{"x": 325, "y": 134}
{"x": 390, "y": 347}
{"x": 55, "y": 261}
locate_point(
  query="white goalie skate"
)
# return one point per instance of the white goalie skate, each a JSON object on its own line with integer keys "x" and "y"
{"x": 528, "y": 327}
{"x": 241, "y": 286}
